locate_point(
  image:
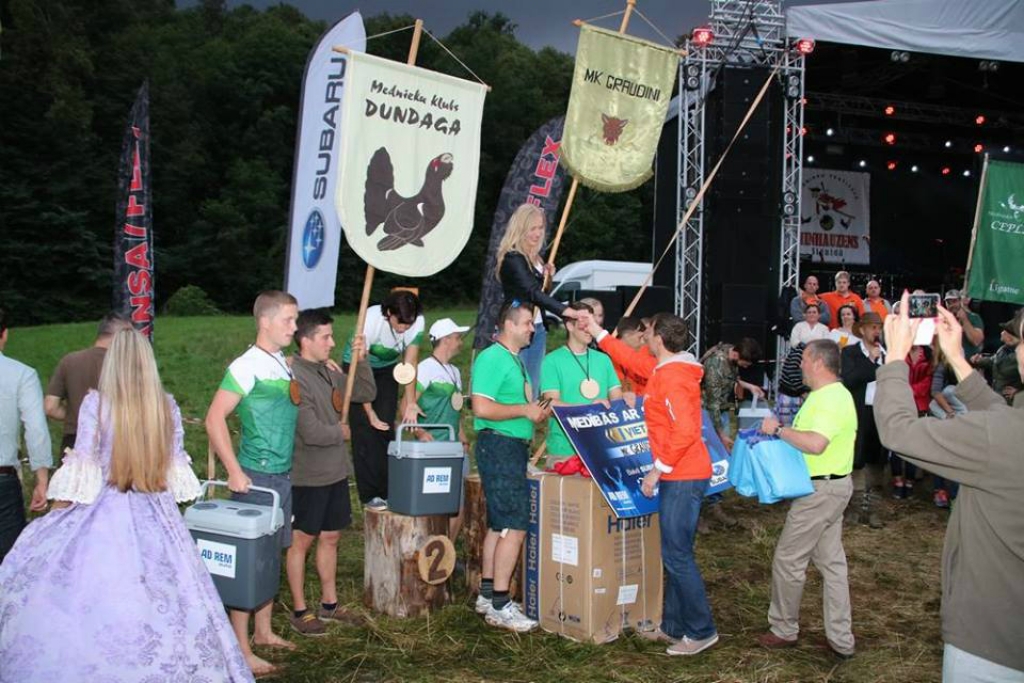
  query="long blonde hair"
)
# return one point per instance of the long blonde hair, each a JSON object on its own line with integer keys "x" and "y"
{"x": 131, "y": 390}
{"x": 515, "y": 234}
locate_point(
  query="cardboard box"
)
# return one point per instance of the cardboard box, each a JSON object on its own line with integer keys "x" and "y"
{"x": 589, "y": 574}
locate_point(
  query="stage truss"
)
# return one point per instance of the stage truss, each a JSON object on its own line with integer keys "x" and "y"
{"x": 747, "y": 33}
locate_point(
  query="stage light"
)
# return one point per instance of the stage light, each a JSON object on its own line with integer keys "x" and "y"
{"x": 691, "y": 80}
{"x": 945, "y": 170}
{"x": 913, "y": 169}
{"x": 1006, "y": 150}
{"x": 805, "y": 46}
{"x": 899, "y": 56}
{"x": 967, "y": 174}
{"x": 890, "y": 110}
{"x": 980, "y": 119}
{"x": 979, "y": 148}
{"x": 810, "y": 158}
{"x": 830, "y": 132}
{"x": 889, "y": 138}
{"x": 891, "y": 165}
{"x": 988, "y": 66}
{"x": 862, "y": 163}
{"x": 949, "y": 143}
{"x": 803, "y": 130}
{"x": 793, "y": 89}
{"x": 703, "y": 36}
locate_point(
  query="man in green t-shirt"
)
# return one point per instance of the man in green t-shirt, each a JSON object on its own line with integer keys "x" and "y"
{"x": 504, "y": 417}
{"x": 258, "y": 386}
{"x": 439, "y": 396}
{"x": 573, "y": 375}
{"x": 824, "y": 430}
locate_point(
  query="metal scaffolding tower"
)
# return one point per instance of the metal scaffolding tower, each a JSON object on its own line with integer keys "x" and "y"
{"x": 746, "y": 33}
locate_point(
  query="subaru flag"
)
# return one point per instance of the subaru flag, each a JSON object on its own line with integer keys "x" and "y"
{"x": 315, "y": 232}
{"x": 613, "y": 444}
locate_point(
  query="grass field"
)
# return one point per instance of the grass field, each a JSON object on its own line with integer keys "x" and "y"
{"x": 894, "y": 574}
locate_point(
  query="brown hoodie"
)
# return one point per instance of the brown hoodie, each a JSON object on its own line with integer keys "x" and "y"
{"x": 983, "y": 556}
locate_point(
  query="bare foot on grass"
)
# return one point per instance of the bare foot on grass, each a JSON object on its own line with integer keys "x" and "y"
{"x": 260, "y": 667}
{"x": 273, "y": 640}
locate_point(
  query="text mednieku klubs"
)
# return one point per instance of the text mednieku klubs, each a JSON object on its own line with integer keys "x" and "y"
{"x": 413, "y": 114}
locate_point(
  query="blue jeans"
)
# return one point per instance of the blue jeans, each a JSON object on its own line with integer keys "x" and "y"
{"x": 686, "y": 611}
{"x": 533, "y": 356}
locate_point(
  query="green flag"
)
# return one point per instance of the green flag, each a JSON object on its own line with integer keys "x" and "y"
{"x": 996, "y": 266}
{"x": 620, "y": 93}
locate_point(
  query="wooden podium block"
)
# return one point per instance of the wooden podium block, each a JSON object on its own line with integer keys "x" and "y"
{"x": 408, "y": 562}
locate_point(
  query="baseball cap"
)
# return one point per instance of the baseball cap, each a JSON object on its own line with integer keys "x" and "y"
{"x": 952, "y": 294}
{"x": 443, "y": 327}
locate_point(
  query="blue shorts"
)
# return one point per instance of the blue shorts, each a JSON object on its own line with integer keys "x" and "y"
{"x": 501, "y": 461}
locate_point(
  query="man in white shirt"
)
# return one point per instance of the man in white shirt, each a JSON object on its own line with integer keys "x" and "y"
{"x": 21, "y": 401}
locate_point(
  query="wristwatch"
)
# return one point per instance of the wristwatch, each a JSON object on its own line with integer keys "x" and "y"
{"x": 778, "y": 431}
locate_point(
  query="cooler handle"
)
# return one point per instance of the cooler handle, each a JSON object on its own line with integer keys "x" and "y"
{"x": 210, "y": 483}
{"x": 417, "y": 425}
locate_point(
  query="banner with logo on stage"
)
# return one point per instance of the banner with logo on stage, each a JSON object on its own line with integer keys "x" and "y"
{"x": 314, "y": 239}
{"x": 134, "y": 264}
{"x": 995, "y": 271}
{"x": 613, "y": 444}
{"x": 835, "y": 217}
{"x": 621, "y": 88}
{"x": 407, "y": 187}
{"x": 534, "y": 177}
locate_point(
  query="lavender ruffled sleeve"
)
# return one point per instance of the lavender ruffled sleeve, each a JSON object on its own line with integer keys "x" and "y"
{"x": 181, "y": 479}
{"x": 80, "y": 476}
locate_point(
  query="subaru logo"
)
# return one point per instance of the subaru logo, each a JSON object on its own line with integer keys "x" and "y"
{"x": 313, "y": 237}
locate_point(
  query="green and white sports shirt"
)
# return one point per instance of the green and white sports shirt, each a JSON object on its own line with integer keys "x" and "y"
{"x": 385, "y": 346}
{"x": 436, "y": 383}
{"x": 266, "y": 410}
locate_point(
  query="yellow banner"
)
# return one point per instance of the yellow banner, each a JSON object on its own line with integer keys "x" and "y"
{"x": 620, "y": 94}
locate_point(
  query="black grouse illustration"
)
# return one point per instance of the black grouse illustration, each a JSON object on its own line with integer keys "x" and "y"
{"x": 406, "y": 220}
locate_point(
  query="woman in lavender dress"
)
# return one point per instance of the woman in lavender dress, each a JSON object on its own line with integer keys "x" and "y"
{"x": 109, "y": 586}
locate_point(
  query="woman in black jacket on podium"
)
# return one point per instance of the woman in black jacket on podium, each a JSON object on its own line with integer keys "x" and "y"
{"x": 520, "y": 269}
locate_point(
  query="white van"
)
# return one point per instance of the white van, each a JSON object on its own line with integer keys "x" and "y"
{"x": 598, "y": 275}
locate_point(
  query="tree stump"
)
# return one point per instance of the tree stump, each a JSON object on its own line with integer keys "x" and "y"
{"x": 395, "y": 545}
{"x": 474, "y": 529}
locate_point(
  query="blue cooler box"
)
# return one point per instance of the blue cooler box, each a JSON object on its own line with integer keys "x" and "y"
{"x": 240, "y": 545}
{"x": 425, "y": 477}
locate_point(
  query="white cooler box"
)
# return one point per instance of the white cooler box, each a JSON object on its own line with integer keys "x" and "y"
{"x": 239, "y": 543}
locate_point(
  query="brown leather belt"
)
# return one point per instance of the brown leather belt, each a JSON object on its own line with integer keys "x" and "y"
{"x": 13, "y": 471}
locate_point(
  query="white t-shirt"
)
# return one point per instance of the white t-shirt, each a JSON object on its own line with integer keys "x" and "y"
{"x": 843, "y": 337}
{"x": 803, "y": 333}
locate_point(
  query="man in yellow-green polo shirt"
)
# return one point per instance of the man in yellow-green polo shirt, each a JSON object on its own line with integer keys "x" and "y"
{"x": 825, "y": 430}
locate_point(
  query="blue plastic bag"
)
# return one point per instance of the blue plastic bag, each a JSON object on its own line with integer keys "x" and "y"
{"x": 768, "y": 468}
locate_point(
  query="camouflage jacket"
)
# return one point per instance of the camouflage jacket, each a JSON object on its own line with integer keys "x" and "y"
{"x": 718, "y": 390}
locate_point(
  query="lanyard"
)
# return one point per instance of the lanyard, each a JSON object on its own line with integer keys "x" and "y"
{"x": 284, "y": 366}
{"x": 522, "y": 370}
{"x": 450, "y": 375}
{"x": 585, "y": 370}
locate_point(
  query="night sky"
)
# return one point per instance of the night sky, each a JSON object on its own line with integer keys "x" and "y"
{"x": 540, "y": 22}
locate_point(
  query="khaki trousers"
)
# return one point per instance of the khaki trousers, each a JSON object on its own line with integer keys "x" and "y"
{"x": 814, "y": 532}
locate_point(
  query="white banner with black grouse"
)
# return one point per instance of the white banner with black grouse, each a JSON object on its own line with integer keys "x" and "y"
{"x": 407, "y": 185}
{"x": 835, "y": 217}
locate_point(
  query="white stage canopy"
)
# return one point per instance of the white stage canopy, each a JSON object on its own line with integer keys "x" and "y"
{"x": 977, "y": 29}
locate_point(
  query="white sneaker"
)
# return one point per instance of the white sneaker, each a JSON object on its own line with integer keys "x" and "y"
{"x": 687, "y": 646}
{"x": 377, "y": 503}
{"x": 510, "y": 617}
{"x": 482, "y": 606}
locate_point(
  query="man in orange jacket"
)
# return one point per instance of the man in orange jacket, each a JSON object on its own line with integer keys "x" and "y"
{"x": 682, "y": 470}
{"x": 635, "y": 365}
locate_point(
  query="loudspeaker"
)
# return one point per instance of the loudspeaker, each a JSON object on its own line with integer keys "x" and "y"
{"x": 655, "y": 300}
{"x": 744, "y": 303}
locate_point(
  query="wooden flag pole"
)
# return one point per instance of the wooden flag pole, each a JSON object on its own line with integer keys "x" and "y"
{"x": 977, "y": 219}
{"x": 630, "y": 5}
{"x": 364, "y": 302}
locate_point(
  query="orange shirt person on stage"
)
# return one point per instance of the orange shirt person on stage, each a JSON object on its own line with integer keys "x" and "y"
{"x": 840, "y": 297}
